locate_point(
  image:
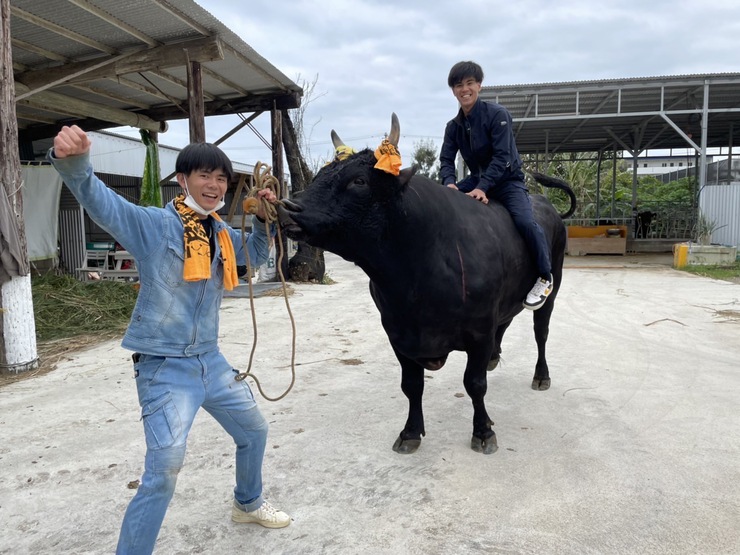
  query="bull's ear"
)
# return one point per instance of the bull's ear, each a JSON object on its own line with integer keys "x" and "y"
{"x": 405, "y": 175}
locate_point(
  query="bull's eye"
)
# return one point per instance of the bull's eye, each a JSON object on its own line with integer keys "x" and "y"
{"x": 358, "y": 182}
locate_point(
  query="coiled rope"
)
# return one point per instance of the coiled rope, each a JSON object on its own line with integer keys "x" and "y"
{"x": 262, "y": 178}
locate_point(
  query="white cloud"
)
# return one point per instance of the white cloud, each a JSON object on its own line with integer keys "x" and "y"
{"x": 374, "y": 58}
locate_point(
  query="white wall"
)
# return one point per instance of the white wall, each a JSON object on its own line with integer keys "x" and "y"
{"x": 125, "y": 156}
{"x": 721, "y": 203}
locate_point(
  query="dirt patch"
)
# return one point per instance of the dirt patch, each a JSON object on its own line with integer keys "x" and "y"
{"x": 51, "y": 353}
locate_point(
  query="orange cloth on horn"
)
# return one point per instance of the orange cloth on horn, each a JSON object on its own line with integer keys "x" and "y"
{"x": 389, "y": 160}
{"x": 197, "y": 264}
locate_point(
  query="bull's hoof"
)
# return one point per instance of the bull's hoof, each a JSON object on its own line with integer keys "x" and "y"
{"x": 486, "y": 446}
{"x": 541, "y": 385}
{"x": 406, "y": 446}
{"x": 493, "y": 363}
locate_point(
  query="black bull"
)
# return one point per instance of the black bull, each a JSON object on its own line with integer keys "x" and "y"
{"x": 447, "y": 272}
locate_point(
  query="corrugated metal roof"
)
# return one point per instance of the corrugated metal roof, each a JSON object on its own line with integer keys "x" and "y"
{"x": 142, "y": 48}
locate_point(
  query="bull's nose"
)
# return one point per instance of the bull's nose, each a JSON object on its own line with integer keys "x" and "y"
{"x": 284, "y": 218}
{"x": 290, "y": 205}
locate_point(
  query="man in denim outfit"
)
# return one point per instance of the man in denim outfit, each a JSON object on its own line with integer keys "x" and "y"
{"x": 185, "y": 256}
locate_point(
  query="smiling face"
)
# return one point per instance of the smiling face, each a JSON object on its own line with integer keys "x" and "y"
{"x": 466, "y": 92}
{"x": 206, "y": 187}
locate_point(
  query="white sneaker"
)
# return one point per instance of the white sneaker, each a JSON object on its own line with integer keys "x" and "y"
{"x": 539, "y": 293}
{"x": 267, "y": 516}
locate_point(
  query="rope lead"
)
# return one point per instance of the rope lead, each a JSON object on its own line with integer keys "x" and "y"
{"x": 262, "y": 178}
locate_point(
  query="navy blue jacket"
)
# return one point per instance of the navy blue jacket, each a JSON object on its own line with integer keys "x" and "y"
{"x": 485, "y": 139}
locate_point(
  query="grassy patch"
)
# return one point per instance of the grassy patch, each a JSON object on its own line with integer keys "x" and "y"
{"x": 66, "y": 307}
{"x": 729, "y": 272}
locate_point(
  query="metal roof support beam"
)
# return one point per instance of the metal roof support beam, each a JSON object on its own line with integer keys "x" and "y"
{"x": 614, "y": 181}
{"x": 614, "y": 136}
{"x": 681, "y": 132}
{"x": 174, "y": 80}
{"x": 287, "y": 101}
{"x": 152, "y": 91}
{"x": 583, "y": 122}
{"x": 729, "y": 154}
{"x": 227, "y": 82}
{"x": 237, "y": 127}
{"x": 704, "y": 134}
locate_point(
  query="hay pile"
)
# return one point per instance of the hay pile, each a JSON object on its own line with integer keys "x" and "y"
{"x": 65, "y": 307}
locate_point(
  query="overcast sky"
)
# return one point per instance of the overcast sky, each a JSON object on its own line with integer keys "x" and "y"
{"x": 371, "y": 58}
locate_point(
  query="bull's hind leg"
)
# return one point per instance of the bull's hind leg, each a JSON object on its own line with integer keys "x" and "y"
{"x": 412, "y": 385}
{"x": 541, "y": 317}
{"x": 496, "y": 356}
{"x": 476, "y": 385}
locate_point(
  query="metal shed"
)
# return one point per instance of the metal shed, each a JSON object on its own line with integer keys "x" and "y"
{"x": 696, "y": 111}
{"x": 632, "y": 115}
{"x": 106, "y": 63}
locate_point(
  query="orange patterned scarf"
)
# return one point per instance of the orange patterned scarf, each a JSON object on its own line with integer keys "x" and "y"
{"x": 198, "y": 249}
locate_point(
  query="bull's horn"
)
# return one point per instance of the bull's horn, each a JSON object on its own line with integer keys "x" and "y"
{"x": 336, "y": 140}
{"x": 395, "y": 130}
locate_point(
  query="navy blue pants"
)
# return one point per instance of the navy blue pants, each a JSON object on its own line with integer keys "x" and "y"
{"x": 515, "y": 198}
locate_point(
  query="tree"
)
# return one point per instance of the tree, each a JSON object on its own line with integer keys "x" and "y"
{"x": 17, "y": 326}
{"x": 424, "y": 156}
{"x": 308, "y": 263}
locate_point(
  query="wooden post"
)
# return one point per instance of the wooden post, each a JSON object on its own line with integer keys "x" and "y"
{"x": 17, "y": 325}
{"x": 196, "y": 106}
{"x": 276, "y": 119}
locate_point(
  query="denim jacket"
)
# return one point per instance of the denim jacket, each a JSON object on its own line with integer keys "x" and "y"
{"x": 172, "y": 317}
{"x": 485, "y": 139}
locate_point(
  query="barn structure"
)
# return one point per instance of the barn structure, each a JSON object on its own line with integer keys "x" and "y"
{"x": 612, "y": 116}
{"x": 102, "y": 64}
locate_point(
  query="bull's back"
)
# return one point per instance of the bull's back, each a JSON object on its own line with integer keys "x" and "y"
{"x": 465, "y": 267}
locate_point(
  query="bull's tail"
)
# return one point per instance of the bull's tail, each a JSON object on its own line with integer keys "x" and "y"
{"x": 555, "y": 183}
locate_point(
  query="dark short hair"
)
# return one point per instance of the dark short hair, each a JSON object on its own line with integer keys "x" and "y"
{"x": 203, "y": 156}
{"x": 464, "y": 70}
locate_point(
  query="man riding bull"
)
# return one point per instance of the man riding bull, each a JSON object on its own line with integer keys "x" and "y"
{"x": 483, "y": 135}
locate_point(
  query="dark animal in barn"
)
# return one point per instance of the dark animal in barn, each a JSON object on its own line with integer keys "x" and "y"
{"x": 447, "y": 273}
{"x": 643, "y": 221}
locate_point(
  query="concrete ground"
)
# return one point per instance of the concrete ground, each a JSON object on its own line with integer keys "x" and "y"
{"x": 634, "y": 449}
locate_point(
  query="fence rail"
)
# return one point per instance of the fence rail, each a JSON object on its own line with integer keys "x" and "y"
{"x": 658, "y": 220}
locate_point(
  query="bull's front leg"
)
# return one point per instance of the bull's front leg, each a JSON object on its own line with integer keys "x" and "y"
{"x": 412, "y": 385}
{"x": 476, "y": 385}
